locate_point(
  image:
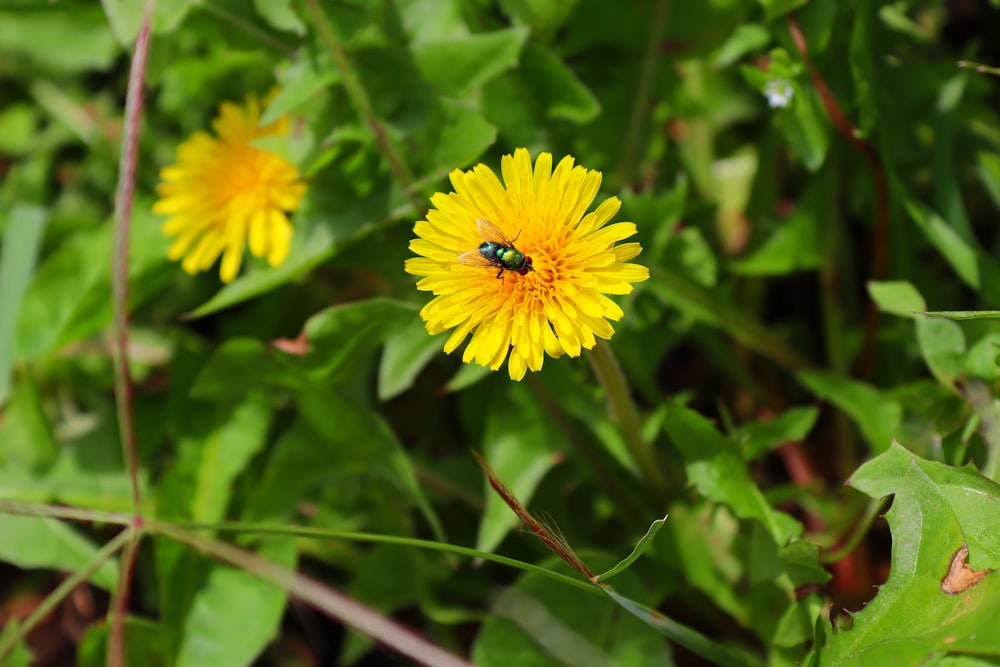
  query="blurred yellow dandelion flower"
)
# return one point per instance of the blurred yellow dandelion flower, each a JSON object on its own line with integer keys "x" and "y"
{"x": 224, "y": 193}
{"x": 521, "y": 265}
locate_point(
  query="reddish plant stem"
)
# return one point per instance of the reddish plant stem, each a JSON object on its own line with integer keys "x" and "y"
{"x": 124, "y": 197}
{"x": 119, "y": 602}
{"x": 880, "y": 243}
{"x": 552, "y": 540}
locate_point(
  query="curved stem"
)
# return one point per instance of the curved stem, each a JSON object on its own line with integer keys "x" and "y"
{"x": 623, "y": 411}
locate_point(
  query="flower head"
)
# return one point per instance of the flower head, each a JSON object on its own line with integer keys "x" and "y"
{"x": 225, "y": 193}
{"x": 549, "y": 296}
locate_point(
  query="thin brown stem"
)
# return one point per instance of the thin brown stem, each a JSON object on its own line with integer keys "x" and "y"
{"x": 119, "y": 601}
{"x": 119, "y": 261}
{"x": 880, "y": 242}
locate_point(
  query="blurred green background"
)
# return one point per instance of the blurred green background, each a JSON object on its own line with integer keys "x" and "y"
{"x": 805, "y": 176}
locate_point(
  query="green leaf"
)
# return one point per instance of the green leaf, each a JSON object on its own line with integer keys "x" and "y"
{"x": 26, "y": 440}
{"x": 775, "y": 8}
{"x": 234, "y": 615}
{"x": 38, "y": 542}
{"x": 746, "y": 39}
{"x": 877, "y": 416}
{"x": 560, "y": 91}
{"x": 716, "y": 468}
{"x": 758, "y": 438}
{"x": 897, "y": 297}
{"x": 942, "y": 344}
{"x": 280, "y": 15}
{"x": 521, "y": 453}
{"x": 982, "y": 360}
{"x": 405, "y": 355}
{"x": 456, "y": 138}
{"x": 937, "y": 509}
{"x": 976, "y": 269}
{"x": 796, "y": 245}
{"x": 71, "y": 40}
{"x": 22, "y": 238}
{"x": 640, "y": 548}
{"x": 339, "y": 334}
{"x": 541, "y": 623}
{"x": 458, "y": 65}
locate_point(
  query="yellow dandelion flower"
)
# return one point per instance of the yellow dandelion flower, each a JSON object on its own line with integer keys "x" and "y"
{"x": 544, "y": 264}
{"x": 224, "y": 193}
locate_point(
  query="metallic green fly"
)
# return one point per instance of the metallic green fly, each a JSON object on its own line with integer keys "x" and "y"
{"x": 496, "y": 251}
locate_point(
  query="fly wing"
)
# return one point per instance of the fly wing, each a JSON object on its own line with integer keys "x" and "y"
{"x": 474, "y": 258}
{"x": 491, "y": 232}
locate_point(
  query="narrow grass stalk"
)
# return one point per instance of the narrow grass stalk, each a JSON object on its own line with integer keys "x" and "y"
{"x": 63, "y": 512}
{"x": 124, "y": 195}
{"x": 119, "y": 601}
{"x": 623, "y": 411}
{"x": 312, "y": 532}
{"x": 334, "y": 604}
{"x": 51, "y": 600}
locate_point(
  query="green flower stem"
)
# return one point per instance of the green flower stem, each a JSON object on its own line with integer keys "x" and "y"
{"x": 624, "y": 412}
{"x": 53, "y": 599}
{"x": 359, "y": 98}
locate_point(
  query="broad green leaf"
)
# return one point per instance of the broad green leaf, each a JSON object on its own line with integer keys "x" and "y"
{"x": 339, "y": 334}
{"x": 405, "y": 355}
{"x": 242, "y": 364}
{"x": 209, "y": 460}
{"x": 982, "y": 360}
{"x": 234, "y": 615}
{"x": 758, "y": 438}
{"x": 716, "y": 468}
{"x": 37, "y": 542}
{"x": 942, "y": 344}
{"x": 540, "y": 623}
{"x": 561, "y": 92}
{"x": 936, "y": 510}
{"x": 280, "y": 15}
{"x": 457, "y": 137}
{"x": 22, "y": 237}
{"x": 65, "y": 39}
{"x": 877, "y": 417}
{"x": 544, "y": 16}
{"x": 640, "y": 548}
{"x": 796, "y": 245}
{"x": 458, "y": 65}
{"x": 19, "y": 129}
{"x": 746, "y": 39}
{"x": 897, "y": 297}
